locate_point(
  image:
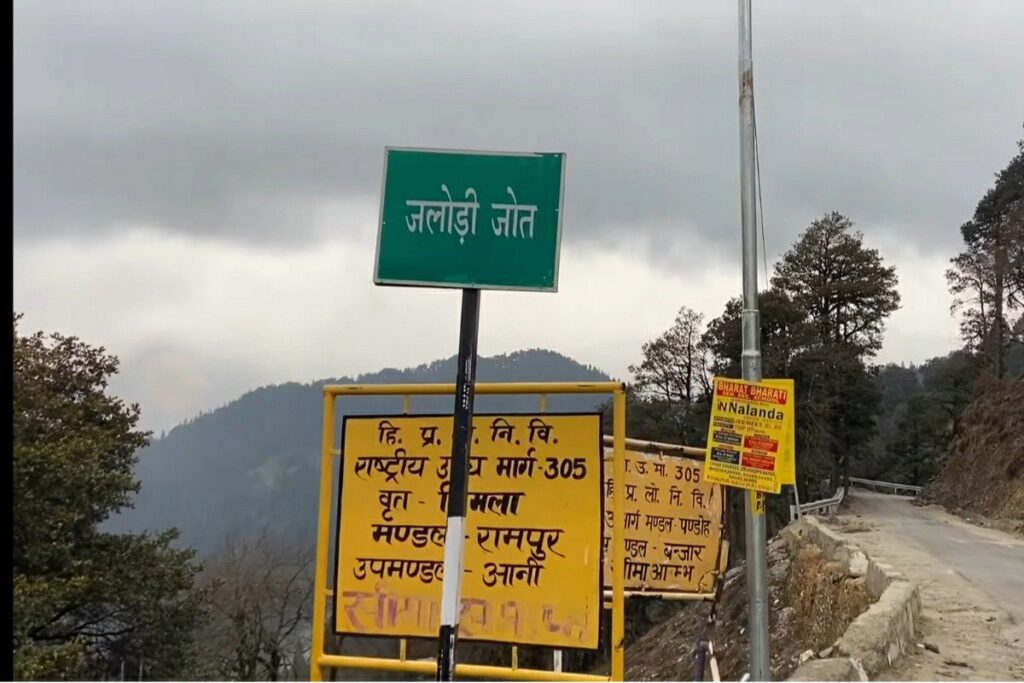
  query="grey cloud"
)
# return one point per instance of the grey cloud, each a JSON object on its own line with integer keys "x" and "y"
{"x": 171, "y": 382}
{"x": 237, "y": 119}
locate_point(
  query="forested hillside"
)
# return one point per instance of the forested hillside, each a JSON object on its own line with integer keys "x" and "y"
{"x": 254, "y": 463}
{"x": 922, "y": 409}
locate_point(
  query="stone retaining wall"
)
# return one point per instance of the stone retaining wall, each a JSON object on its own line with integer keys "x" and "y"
{"x": 879, "y": 636}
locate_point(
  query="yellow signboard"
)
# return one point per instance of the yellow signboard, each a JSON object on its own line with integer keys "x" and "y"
{"x": 673, "y": 522}
{"x": 533, "y": 528}
{"x": 748, "y": 434}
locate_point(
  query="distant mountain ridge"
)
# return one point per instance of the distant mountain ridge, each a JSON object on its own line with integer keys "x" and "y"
{"x": 255, "y": 461}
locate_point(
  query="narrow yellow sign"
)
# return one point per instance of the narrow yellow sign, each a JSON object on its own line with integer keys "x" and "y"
{"x": 749, "y": 428}
{"x": 758, "y": 502}
{"x": 532, "y": 565}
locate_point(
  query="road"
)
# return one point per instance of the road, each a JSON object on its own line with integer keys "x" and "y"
{"x": 989, "y": 559}
{"x": 971, "y": 580}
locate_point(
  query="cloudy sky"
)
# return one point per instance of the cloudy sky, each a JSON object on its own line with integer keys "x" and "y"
{"x": 196, "y": 184}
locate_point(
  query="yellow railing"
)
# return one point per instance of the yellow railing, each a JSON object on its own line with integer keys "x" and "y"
{"x": 321, "y": 660}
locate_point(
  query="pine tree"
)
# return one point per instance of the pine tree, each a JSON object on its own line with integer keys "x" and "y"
{"x": 847, "y": 293}
{"x": 86, "y": 602}
{"x": 987, "y": 277}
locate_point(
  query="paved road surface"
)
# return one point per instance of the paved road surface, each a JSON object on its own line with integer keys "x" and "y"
{"x": 971, "y": 581}
{"x": 989, "y": 559}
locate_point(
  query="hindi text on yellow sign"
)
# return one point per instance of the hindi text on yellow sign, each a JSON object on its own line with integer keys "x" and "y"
{"x": 673, "y": 522}
{"x": 533, "y": 536}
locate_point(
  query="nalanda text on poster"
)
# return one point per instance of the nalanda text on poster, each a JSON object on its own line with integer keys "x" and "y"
{"x": 749, "y": 429}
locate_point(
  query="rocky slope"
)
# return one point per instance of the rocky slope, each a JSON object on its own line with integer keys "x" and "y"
{"x": 983, "y": 471}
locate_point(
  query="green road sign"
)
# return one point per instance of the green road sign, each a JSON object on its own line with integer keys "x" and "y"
{"x": 485, "y": 220}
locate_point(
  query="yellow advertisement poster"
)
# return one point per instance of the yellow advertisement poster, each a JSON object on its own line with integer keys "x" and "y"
{"x": 532, "y": 561}
{"x": 673, "y": 522}
{"x": 749, "y": 428}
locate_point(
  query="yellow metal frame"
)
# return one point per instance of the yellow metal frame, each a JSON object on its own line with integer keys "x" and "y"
{"x": 320, "y": 660}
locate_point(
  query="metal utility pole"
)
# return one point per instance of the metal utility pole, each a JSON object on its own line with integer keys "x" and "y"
{"x": 756, "y": 537}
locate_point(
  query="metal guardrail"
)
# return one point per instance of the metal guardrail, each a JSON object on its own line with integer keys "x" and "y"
{"x": 896, "y": 488}
{"x": 829, "y": 506}
{"x": 826, "y": 506}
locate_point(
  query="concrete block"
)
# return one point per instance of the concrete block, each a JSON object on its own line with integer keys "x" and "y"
{"x": 876, "y": 579}
{"x": 832, "y": 669}
{"x": 858, "y": 562}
